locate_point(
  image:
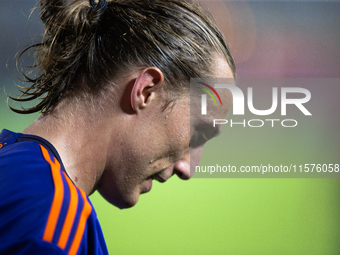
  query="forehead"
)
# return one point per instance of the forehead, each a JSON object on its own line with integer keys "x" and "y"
{"x": 215, "y": 107}
{"x": 218, "y": 100}
{"x": 222, "y": 68}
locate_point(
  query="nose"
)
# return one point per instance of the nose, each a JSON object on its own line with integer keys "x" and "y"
{"x": 185, "y": 168}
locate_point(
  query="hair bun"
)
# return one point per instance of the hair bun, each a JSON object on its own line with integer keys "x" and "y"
{"x": 71, "y": 16}
{"x": 102, "y": 5}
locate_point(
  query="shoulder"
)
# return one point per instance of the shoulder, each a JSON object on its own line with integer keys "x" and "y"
{"x": 24, "y": 172}
{"x": 38, "y": 201}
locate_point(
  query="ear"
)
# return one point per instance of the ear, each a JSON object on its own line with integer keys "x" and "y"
{"x": 144, "y": 88}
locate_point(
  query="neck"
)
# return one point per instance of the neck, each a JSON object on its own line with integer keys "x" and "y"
{"x": 80, "y": 141}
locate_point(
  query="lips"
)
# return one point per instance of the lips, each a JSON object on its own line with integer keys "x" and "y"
{"x": 158, "y": 178}
{"x": 147, "y": 187}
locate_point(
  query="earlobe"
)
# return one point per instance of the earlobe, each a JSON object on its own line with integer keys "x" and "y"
{"x": 145, "y": 87}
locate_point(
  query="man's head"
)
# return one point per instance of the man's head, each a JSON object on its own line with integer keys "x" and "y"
{"x": 133, "y": 64}
{"x": 150, "y": 143}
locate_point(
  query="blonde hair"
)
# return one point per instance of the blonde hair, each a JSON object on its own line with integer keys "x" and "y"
{"x": 83, "y": 49}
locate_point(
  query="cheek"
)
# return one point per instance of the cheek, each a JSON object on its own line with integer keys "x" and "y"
{"x": 184, "y": 135}
{"x": 180, "y": 130}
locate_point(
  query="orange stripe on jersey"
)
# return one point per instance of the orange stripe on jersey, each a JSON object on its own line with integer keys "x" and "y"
{"x": 85, "y": 213}
{"x": 57, "y": 199}
{"x": 70, "y": 216}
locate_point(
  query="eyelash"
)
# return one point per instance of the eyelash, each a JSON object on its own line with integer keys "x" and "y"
{"x": 197, "y": 140}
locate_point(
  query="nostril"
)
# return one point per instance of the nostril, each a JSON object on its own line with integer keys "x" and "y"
{"x": 180, "y": 175}
{"x": 182, "y": 170}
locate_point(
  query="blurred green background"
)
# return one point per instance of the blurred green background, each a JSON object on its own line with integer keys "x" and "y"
{"x": 228, "y": 216}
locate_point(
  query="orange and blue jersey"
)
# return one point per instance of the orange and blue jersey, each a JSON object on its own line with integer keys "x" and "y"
{"x": 41, "y": 210}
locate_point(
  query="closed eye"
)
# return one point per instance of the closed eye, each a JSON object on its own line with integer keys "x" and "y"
{"x": 202, "y": 134}
{"x": 198, "y": 140}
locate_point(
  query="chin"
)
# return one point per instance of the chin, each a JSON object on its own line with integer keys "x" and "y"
{"x": 122, "y": 202}
{"x": 125, "y": 204}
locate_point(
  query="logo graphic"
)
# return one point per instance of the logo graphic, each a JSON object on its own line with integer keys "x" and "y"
{"x": 204, "y": 97}
{"x": 281, "y": 100}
